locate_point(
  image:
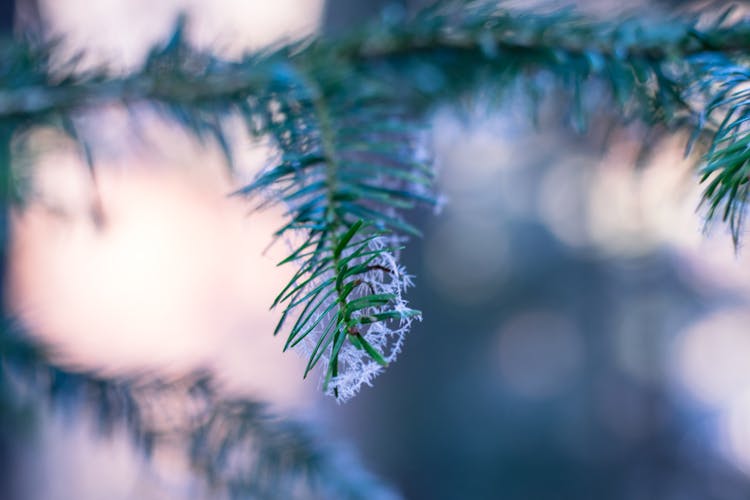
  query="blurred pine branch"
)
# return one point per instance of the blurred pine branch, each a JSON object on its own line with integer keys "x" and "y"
{"x": 235, "y": 448}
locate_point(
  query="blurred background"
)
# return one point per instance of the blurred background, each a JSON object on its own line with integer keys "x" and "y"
{"x": 583, "y": 337}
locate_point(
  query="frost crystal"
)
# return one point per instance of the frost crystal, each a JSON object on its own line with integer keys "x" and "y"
{"x": 355, "y": 365}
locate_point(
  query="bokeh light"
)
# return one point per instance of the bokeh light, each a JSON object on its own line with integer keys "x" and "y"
{"x": 539, "y": 354}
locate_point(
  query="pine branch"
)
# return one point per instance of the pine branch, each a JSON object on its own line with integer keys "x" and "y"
{"x": 726, "y": 87}
{"x": 176, "y": 74}
{"x": 348, "y": 113}
{"x": 348, "y": 166}
{"x": 235, "y": 446}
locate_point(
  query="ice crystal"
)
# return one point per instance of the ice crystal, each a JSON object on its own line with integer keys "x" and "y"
{"x": 355, "y": 366}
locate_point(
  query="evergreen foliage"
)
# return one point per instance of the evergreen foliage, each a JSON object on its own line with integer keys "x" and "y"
{"x": 234, "y": 447}
{"x": 349, "y": 116}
